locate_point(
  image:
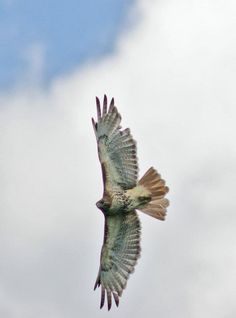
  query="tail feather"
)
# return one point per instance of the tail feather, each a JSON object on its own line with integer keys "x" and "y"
{"x": 156, "y": 186}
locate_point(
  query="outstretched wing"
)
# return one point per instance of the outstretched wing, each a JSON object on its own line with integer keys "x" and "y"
{"x": 116, "y": 149}
{"x": 120, "y": 251}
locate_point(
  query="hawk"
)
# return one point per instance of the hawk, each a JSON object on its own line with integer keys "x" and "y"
{"x": 122, "y": 195}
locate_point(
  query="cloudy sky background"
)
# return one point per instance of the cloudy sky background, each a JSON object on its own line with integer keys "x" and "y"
{"x": 171, "y": 67}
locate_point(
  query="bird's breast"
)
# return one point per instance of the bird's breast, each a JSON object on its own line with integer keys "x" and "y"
{"x": 119, "y": 203}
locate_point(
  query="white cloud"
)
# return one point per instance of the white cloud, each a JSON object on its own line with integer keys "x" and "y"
{"x": 173, "y": 77}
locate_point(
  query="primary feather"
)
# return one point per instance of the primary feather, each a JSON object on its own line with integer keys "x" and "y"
{"x": 122, "y": 195}
{"x": 116, "y": 149}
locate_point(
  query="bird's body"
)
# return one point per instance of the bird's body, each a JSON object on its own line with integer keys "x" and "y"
{"x": 122, "y": 195}
{"x": 124, "y": 201}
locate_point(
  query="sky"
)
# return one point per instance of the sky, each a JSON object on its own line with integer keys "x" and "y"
{"x": 56, "y": 36}
{"x": 171, "y": 67}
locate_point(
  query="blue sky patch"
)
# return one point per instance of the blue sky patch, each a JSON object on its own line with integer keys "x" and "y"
{"x": 64, "y": 34}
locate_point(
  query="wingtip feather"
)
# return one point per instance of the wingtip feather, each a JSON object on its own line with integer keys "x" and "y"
{"x": 97, "y": 283}
{"x": 116, "y": 298}
{"x": 112, "y": 104}
{"x": 109, "y": 301}
{"x": 102, "y": 297}
{"x": 104, "y": 111}
{"x": 94, "y": 125}
{"x": 98, "y": 108}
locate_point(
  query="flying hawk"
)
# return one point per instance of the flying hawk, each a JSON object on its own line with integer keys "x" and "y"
{"x": 122, "y": 195}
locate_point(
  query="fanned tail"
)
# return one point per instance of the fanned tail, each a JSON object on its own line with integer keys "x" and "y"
{"x": 156, "y": 186}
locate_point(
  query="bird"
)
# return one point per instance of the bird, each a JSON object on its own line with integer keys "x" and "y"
{"x": 123, "y": 194}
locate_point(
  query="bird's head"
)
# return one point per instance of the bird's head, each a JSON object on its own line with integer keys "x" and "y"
{"x": 102, "y": 205}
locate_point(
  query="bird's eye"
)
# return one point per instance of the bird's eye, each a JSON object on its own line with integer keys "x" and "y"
{"x": 100, "y": 203}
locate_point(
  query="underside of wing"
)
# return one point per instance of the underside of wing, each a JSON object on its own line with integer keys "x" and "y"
{"x": 116, "y": 148}
{"x": 120, "y": 251}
